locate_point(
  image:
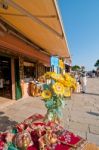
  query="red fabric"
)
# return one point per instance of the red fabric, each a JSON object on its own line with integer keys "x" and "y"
{"x": 31, "y": 148}
{"x": 2, "y": 140}
{"x": 22, "y": 126}
{"x": 66, "y": 139}
{"x": 3, "y": 136}
{"x": 39, "y": 124}
{"x": 1, "y": 145}
{"x": 35, "y": 138}
{"x": 33, "y": 118}
{"x": 69, "y": 138}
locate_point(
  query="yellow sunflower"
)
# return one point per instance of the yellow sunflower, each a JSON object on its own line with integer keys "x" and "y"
{"x": 74, "y": 86}
{"x": 58, "y": 88}
{"x": 67, "y": 76}
{"x": 57, "y": 77}
{"x": 67, "y": 83}
{"x": 46, "y": 94}
{"x": 48, "y": 75}
{"x": 54, "y": 75}
{"x": 67, "y": 92}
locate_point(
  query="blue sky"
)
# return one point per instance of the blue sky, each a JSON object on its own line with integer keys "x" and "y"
{"x": 81, "y": 24}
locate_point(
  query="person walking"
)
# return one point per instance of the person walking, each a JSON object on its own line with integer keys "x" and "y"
{"x": 84, "y": 82}
{"x": 78, "y": 82}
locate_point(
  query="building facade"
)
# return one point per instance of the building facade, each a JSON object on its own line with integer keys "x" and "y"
{"x": 30, "y": 33}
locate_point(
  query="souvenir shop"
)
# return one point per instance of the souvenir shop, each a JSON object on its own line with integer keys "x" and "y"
{"x": 29, "y": 36}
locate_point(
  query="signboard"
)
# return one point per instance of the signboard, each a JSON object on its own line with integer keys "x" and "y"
{"x": 54, "y": 61}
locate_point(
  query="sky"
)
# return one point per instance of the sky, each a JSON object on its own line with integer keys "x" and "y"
{"x": 81, "y": 24}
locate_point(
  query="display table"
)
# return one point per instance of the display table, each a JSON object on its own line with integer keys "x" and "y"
{"x": 34, "y": 134}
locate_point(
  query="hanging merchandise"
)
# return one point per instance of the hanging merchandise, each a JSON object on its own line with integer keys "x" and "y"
{"x": 61, "y": 64}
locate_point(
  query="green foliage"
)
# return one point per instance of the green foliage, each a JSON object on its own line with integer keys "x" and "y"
{"x": 97, "y": 64}
{"x": 75, "y": 68}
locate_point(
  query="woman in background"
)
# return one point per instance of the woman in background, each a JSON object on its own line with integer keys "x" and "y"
{"x": 84, "y": 82}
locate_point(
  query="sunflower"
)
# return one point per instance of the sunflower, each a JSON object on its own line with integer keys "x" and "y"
{"x": 54, "y": 75}
{"x": 74, "y": 86}
{"x": 58, "y": 88}
{"x": 67, "y": 83}
{"x": 46, "y": 94}
{"x": 57, "y": 77}
{"x": 48, "y": 75}
{"x": 67, "y": 76}
{"x": 67, "y": 92}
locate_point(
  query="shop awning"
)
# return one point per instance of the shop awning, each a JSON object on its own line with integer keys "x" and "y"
{"x": 39, "y": 21}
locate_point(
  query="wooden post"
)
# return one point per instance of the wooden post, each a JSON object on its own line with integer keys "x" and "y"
{"x": 13, "y": 78}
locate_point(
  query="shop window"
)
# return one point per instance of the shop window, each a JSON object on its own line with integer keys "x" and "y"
{"x": 29, "y": 71}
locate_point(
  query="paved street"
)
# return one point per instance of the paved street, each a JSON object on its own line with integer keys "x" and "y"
{"x": 81, "y": 113}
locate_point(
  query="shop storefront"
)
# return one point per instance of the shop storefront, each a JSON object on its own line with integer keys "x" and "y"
{"x": 29, "y": 72}
{"x": 16, "y": 73}
{"x": 28, "y": 42}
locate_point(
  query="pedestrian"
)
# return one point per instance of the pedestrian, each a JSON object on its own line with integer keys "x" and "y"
{"x": 78, "y": 87}
{"x": 78, "y": 83}
{"x": 83, "y": 80}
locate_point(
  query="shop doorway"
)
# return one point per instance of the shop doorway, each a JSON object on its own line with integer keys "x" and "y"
{"x": 5, "y": 77}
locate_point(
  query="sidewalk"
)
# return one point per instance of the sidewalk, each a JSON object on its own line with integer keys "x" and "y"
{"x": 81, "y": 113}
{"x": 20, "y": 110}
{"x": 4, "y": 102}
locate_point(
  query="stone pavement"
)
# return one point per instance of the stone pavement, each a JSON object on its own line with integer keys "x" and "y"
{"x": 4, "y": 102}
{"x": 80, "y": 115}
{"x": 20, "y": 110}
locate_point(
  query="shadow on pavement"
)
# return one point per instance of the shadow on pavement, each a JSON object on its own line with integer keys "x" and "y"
{"x": 92, "y": 94}
{"x": 5, "y": 122}
{"x": 93, "y": 113}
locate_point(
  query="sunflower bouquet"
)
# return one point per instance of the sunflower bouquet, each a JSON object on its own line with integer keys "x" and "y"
{"x": 55, "y": 92}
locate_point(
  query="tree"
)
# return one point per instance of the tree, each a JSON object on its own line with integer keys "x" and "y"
{"x": 75, "y": 68}
{"x": 97, "y": 64}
